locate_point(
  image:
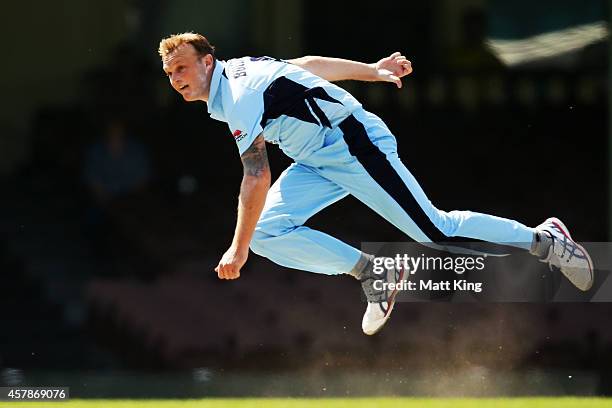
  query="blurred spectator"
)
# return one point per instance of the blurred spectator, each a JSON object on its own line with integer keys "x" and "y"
{"x": 116, "y": 166}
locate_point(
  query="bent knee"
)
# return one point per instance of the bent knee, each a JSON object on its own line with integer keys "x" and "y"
{"x": 269, "y": 229}
{"x": 449, "y": 222}
{"x": 264, "y": 240}
{"x": 274, "y": 226}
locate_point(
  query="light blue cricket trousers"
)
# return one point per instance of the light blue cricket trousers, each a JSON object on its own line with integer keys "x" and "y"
{"x": 360, "y": 157}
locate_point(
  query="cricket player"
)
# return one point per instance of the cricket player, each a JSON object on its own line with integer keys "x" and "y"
{"x": 338, "y": 148}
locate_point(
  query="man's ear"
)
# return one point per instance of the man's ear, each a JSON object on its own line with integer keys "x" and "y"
{"x": 208, "y": 61}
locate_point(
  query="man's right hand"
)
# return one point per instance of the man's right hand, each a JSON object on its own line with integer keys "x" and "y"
{"x": 232, "y": 261}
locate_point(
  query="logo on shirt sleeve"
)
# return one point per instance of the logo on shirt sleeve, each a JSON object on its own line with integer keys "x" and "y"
{"x": 239, "y": 135}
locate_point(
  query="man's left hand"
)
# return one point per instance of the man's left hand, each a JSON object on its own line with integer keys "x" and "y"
{"x": 393, "y": 68}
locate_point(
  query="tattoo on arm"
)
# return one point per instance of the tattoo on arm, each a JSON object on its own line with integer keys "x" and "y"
{"x": 255, "y": 158}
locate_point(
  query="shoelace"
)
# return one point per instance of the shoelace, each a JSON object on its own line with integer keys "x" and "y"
{"x": 570, "y": 246}
{"x": 566, "y": 245}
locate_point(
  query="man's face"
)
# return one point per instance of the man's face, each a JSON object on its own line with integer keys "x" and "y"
{"x": 189, "y": 73}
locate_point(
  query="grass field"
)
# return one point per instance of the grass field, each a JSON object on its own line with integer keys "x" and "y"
{"x": 333, "y": 403}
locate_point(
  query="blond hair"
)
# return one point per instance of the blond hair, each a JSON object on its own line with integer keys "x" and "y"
{"x": 169, "y": 44}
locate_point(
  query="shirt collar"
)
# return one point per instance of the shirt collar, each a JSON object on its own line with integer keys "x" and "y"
{"x": 214, "y": 104}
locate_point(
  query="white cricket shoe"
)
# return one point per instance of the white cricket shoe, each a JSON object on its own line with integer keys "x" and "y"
{"x": 570, "y": 257}
{"x": 380, "y": 302}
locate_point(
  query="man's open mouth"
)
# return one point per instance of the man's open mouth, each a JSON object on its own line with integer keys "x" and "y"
{"x": 183, "y": 87}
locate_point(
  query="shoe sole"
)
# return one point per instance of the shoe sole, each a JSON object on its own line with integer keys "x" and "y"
{"x": 391, "y": 304}
{"x": 559, "y": 224}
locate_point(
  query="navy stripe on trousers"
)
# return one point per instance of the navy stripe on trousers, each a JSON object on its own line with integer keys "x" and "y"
{"x": 378, "y": 167}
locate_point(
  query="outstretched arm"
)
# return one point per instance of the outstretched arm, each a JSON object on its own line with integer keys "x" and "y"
{"x": 389, "y": 69}
{"x": 253, "y": 190}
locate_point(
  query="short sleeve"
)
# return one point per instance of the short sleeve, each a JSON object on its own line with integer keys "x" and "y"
{"x": 245, "y": 119}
